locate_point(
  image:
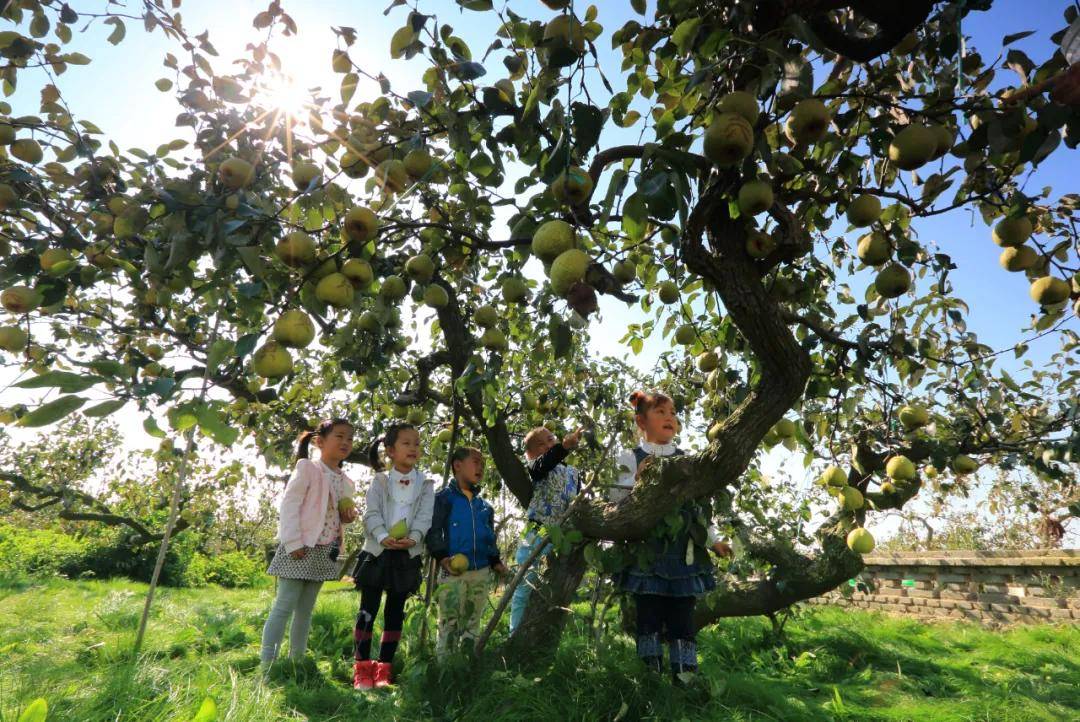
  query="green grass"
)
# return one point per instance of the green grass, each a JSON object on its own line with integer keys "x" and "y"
{"x": 70, "y": 642}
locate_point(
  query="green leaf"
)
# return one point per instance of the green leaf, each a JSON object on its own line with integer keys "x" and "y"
{"x": 214, "y": 426}
{"x": 117, "y": 35}
{"x": 207, "y": 712}
{"x": 588, "y": 122}
{"x": 52, "y": 411}
{"x": 635, "y": 217}
{"x": 348, "y": 86}
{"x": 561, "y": 338}
{"x": 685, "y": 33}
{"x": 219, "y": 351}
{"x": 638, "y": 6}
{"x": 37, "y": 711}
{"x": 151, "y": 427}
{"x": 105, "y": 408}
{"x": 64, "y": 380}
{"x": 401, "y": 39}
{"x": 476, "y": 4}
{"x": 75, "y": 59}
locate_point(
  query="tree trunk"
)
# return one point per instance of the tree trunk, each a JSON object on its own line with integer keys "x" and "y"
{"x": 537, "y": 637}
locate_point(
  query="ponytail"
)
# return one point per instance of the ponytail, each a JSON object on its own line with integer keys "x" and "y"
{"x": 388, "y": 439}
{"x": 374, "y": 457}
{"x": 303, "y": 442}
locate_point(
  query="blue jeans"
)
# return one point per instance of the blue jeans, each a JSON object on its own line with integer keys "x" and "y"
{"x": 521, "y": 594}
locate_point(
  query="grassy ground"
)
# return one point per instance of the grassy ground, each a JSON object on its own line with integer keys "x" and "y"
{"x": 69, "y": 642}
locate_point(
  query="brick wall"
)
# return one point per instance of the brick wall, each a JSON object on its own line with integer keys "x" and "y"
{"x": 994, "y": 587}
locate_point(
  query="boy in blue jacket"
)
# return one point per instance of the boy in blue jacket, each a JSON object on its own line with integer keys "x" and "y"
{"x": 462, "y": 541}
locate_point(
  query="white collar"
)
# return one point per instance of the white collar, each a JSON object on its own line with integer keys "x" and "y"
{"x": 659, "y": 449}
{"x": 326, "y": 467}
{"x": 413, "y": 475}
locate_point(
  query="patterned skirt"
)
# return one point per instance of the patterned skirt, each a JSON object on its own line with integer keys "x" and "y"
{"x": 666, "y": 572}
{"x": 320, "y": 564}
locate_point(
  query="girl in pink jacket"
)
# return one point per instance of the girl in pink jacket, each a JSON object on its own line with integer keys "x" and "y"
{"x": 318, "y": 502}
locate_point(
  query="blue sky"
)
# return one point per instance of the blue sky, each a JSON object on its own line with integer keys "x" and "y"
{"x": 116, "y": 91}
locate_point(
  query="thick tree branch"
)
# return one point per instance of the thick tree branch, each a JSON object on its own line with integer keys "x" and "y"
{"x": 460, "y": 346}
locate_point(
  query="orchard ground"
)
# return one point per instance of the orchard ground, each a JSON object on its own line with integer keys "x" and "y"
{"x": 69, "y": 642}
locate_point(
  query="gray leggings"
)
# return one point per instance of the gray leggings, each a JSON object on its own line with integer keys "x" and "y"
{"x": 295, "y": 597}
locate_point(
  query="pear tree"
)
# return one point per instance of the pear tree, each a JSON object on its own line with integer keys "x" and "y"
{"x": 749, "y": 184}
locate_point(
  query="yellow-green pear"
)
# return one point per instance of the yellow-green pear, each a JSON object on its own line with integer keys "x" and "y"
{"x": 708, "y": 361}
{"x": 1018, "y": 258}
{"x": 860, "y": 541}
{"x": 294, "y": 328}
{"x": 346, "y": 504}
{"x": 336, "y": 290}
{"x": 900, "y": 468}
{"x": 728, "y": 139}
{"x": 685, "y": 334}
{"x": 892, "y": 281}
{"x": 20, "y": 299}
{"x": 358, "y": 271}
{"x": 759, "y": 244}
{"x": 566, "y": 270}
{"x": 493, "y": 339}
{"x": 272, "y": 360}
{"x": 1048, "y": 290}
{"x": 296, "y": 249}
{"x": 742, "y": 103}
{"x": 399, "y": 530}
{"x": 13, "y": 338}
{"x": 304, "y": 174}
{"x": 834, "y": 476}
{"x": 912, "y": 147}
{"x": 964, "y": 464}
{"x": 887, "y": 487}
{"x": 552, "y": 239}
{"x": 874, "y": 248}
{"x": 784, "y": 428}
{"x": 850, "y": 498}
{"x": 913, "y": 417}
{"x": 369, "y": 322}
{"x": 392, "y": 176}
{"x": 361, "y": 224}
{"x": 486, "y": 316}
{"x": 668, "y": 292}
{"x": 420, "y": 267}
{"x": 514, "y": 289}
{"x": 809, "y": 121}
{"x": 236, "y": 173}
{"x": 8, "y": 196}
{"x": 1012, "y": 231}
{"x": 436, "y": 296}
{"x": 755, "y": 196}
{"x": 459, "y": 564}
{"x": 864, "y": 210}
{"x": 53, "y": 256}
{"x": 624, "y": 271}
{"x": 393, "y": 288}
{"x": 572, "y": 187}
{"x": 417, "y": 163}
{"x": 353, "y": 165}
